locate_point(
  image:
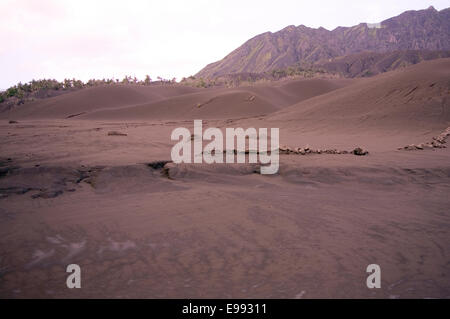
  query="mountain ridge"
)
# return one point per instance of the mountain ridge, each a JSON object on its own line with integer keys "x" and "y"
{"x": 427, "y": 29}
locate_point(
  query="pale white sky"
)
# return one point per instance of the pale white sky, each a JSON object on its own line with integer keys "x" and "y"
{"x": 168, "y": 38}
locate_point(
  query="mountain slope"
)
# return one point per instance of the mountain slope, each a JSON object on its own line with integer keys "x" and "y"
{"x": 412, "y": 30}
{"x": 371, "y": 63}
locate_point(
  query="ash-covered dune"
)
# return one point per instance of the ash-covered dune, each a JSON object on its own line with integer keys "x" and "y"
{"x": 91, "y": 99}
{"x": 174, "y": 102}
{"x": 415, "y": 98}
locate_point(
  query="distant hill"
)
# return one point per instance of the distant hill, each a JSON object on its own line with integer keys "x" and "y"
{"x": 427, "y": 30}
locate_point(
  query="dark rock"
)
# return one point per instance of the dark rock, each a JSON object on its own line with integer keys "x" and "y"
{"x": 116, "y": 133}
{"x": 359, "y": 151}
{"x": 158, "y": 164}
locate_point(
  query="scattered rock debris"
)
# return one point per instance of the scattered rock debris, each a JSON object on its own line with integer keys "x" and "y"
{"x": 307, "y": 150}
{"x": 436, "y": 142}
{"x": 297, "y": 151}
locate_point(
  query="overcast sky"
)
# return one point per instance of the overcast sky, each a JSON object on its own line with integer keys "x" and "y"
{"x": 168, "y": 38}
